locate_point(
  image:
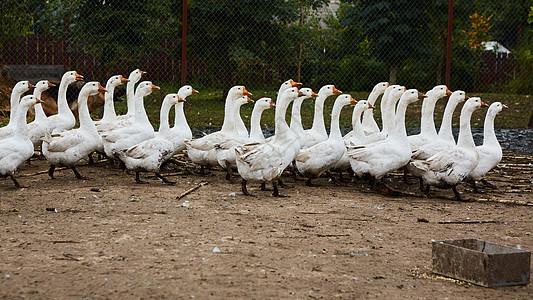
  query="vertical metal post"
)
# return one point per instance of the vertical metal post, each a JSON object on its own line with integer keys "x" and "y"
{"x": 449, "y": 44}
{"x": 184, "y": 44}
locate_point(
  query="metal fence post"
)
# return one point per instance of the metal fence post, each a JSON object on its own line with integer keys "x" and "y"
{"x": 184, "y": 44}
{"x": 449, "y": 44}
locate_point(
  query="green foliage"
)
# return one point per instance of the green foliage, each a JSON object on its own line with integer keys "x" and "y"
{"x": 523, "y": 83}
{"x": 15, "y": 21}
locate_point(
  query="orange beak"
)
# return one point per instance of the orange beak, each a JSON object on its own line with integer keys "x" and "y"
{"x": 143, "y": 73}
{"x": 388, "y": 84}
{"x": 272, "y": 105}
{"x": 101, "y": 88}
{"x": 483, "y": 104}
{"x": 294, "y": 83}
{"x": 313, "y": 94}
{"x": 336, "y": 91}
{"x": 155, "y": 87}
{"x": 352, "y": 101}
{"x": 181, "y": 99}
{"x": 421, "y": 96}
{"x": 249, "y": 100}
{"x": 195, "y": 91}
{"x": 466, "y": 97}
{"x": 78, "y": 76}
{"x": 404, "y": 89}
{"x": 370, "y": 106}
{"x": 50, "y": 84}
{"x": 123, "y": 79}
{"x": 37, "y": 100}
{"x": 448, "y": 92}
{"x": 30, "y": 85}
{"x": 245, "y": 92}
{"x": 505, "y": 106}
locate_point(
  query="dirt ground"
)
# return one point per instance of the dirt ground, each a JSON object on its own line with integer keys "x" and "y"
{"x": 112, "y": 238}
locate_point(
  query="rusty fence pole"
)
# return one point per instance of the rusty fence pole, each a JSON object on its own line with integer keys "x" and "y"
{"x": 449, "y": 45}
{"x": 184, "y": 44}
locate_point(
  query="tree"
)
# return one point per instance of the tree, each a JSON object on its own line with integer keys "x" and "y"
{"x": 15, "y": 21}
{"x": 395, "y": 29}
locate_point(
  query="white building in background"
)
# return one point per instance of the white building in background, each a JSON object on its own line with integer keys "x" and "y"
{"x": 325, "y": 11}
{"x": 496, "y": 47}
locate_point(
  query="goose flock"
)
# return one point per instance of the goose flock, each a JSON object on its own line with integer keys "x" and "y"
{"x": 367, "y": 152}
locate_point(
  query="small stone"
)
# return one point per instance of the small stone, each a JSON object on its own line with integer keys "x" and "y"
{"x": 95, "y": 190}
{"x": 231, "y": 194}
{"x": 216, "y": 250}
{"x": 423, "y": 220}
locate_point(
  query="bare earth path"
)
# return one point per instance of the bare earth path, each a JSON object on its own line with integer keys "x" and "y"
{"x": 111, "y": 238}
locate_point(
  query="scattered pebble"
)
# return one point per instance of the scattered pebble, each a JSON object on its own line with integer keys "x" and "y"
{"x": 231, "y": 194}
{"x": 423, "y": 220}
{"x": 216, "y": 250}
{"x": 51, "y": 209}
{"x": 186, "y": 204}
{"x": 95, "y": 190}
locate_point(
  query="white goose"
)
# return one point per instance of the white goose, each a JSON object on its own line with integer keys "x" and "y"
{"x": 321, "y": 157}
{"x": 318, "y": 132}
{"x": 20, "y": 88}
{"x": 490, "y": 153}
{"x": 109, "y": 106}
{"x": 37, "y": 128}
{"x": 451, "y": 165}
{"x": 265, "y": 161}
{"x": 382, "y": 157}
{"x": 296, "y": 117}
{"x": 369, "y": 124}
{"x": 64, "y": 119}
{"x": 67, "y": 148}
{"x": 140, "y": 130}
{"x": 357, "y": 136}
{"x": 18, "y": 148}
{"x": 202, "y": 151}
{"x": 181, "y": 130}
{"x": 150, "y": 154}
{"x": 428, "y": 132}
{"x": 226, "y": 152}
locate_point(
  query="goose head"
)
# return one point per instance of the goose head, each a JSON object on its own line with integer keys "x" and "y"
{"x": 496, "y": 107}
{"x": 329, "y": 90}
{"x": 71, "y": 76}
{"x": 92, "y": 88}
{"x": 264, "y": 103}
{"x": 439, "y": 91}
{"x": 363, "y": 105}
{"x": 345, "y": 99}
{"x": 396, "y": 92}
{"x": 474, "y": 103}
{"x": 115, "y": 81}
{"x": 145, "y": 88}
{"x": 42, "y": 86}
{"x": 381, "y": 87}
{"x": 28, "y": 101}
{"x": 290, "y": 94}
{"x": 238, "y": 91}
{"x": 172, "y": 99}
{"x": 458, "y": 96}
{"x": 307, "y": 92}
{"x": 288, "y": 84}
{"x": 136, "y": 75}
{"x": 242, "y": 100}
{"x": 22, "y": 87}
{"x": 412, "y": 95}
{"x": 186, "y": 91}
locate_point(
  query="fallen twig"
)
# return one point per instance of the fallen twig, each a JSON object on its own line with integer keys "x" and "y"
{"x": 187, "y": 192}
{"x": 469, "y": 222}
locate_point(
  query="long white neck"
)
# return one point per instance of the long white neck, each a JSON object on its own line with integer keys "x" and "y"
{"x": 279, "y": 117}
{"x": 236, "y": 116}
{"x": 83, "y": 111}
{"x": 445, "y": 131}
{"x": 256, "y": 134}
{"x": 489, "y": 136}
{"x": 296, "y": 117}
{"x": 164, "y": 127}
{"x": 180, "y": 121}
{"x": 318, "y": 119}
{"x": 39, "y": 111}
{"x": 465, "y": 138}
{"x": 140, "y": 112}
{"x": 399, "y": 121}
{"x": 15, "y": 98}
{"x": 357, "y": 127}
{"x": 427, "y": 122}
{"x": 384, "y": 103}
{"x": 62, "y": 104}
{"x": 228, "y": 123}
{"x": 130, "y": 97}
{"x": 335, "y": 130}
{"x": 368, "y": 115}
{"x": 389, "y": 121}
{"x": 109, "y": 106}
{"x": 19, "y": 120}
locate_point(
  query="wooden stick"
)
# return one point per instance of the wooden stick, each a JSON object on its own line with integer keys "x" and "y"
{"x": 194, "y": 188}
{"x": 469, "y": 222}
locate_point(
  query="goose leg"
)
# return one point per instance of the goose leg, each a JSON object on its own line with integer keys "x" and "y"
{"x": 78, "y": 175}
{"x": 294, "y": 172}
{"x": 276, "y": 190}
{"x": 164, "y": 179}
{"x": 17, "y": 184}
{"x": 91, "y": 159}
{"x": 427, "y": 191}
{"x": 457, "y": 194}
{"x": 229, "y": 173}
{"x": 333, "y": 179}
{"x": 203, "y": 173}
{"x": 308, "y": 182}
{"x": 283, "y": 185}
{"x": 406, "y": 176}
{"x": 51, "y": 171}
{"x": 244, "y": 189}
{"x": 264, "y": 187}
{"x": 489, "y": 184}
{"x": 476, "y": 190}
{"x": 138, "y": 178}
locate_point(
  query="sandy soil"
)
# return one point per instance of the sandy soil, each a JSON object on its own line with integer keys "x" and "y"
{"x": 111, "y": 238}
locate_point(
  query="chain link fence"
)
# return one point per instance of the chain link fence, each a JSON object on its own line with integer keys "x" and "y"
{"x": 353, "y": 44}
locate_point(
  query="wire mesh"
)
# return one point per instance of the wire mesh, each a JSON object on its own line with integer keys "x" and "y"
{"x": 353, "y": 44}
